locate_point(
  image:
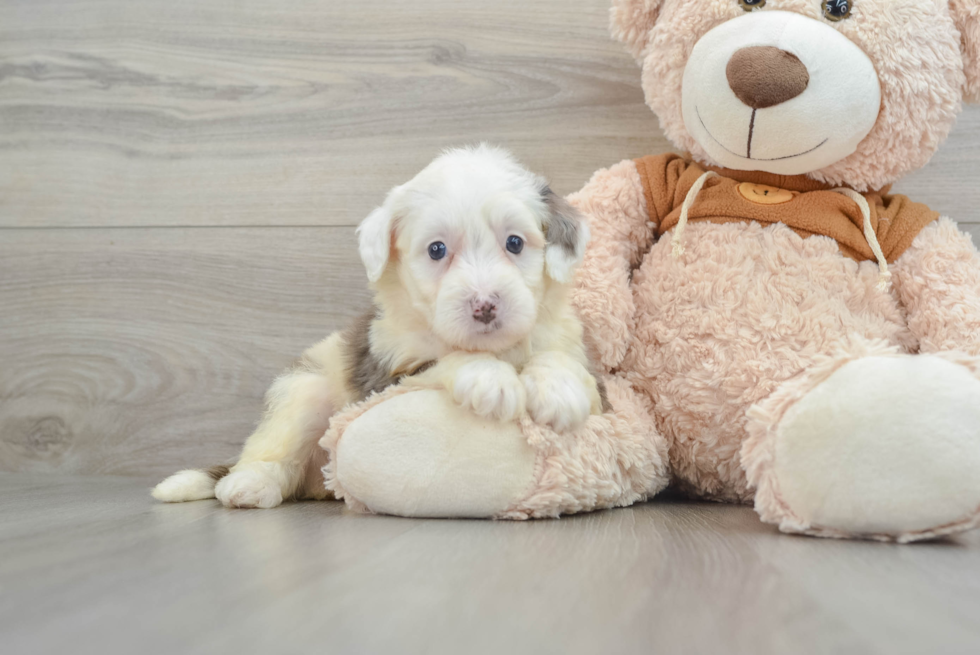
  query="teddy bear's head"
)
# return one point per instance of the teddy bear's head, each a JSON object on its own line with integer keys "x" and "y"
{"x": 855, "y": 92}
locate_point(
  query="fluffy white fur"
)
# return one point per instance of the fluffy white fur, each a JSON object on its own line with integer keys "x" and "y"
{"x": 190, "y": 484}
{"x": 496, "y": 322}
{"x": 440, "y": 205}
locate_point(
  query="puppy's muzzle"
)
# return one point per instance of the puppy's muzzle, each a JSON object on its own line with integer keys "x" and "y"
{"x": 484, "y": 311}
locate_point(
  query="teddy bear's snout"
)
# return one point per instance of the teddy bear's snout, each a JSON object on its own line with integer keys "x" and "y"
{"x": 765, "y": 76}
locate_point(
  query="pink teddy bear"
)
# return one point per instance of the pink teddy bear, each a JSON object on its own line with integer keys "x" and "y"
{"x": 772, "y": 325}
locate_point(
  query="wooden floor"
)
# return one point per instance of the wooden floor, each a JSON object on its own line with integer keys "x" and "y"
{"x": 179, "y": 181}
{"x": 92, "y": 565}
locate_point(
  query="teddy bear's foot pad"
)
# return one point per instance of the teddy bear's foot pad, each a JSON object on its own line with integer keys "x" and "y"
{"x": 886, "y": 447}
{"x": 442, "y": 460}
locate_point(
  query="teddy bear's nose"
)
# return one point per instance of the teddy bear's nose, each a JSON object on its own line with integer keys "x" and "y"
{"x": 764, "y": 76}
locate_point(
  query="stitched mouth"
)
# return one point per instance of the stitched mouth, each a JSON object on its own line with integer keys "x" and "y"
{"x": 748, "y": 149}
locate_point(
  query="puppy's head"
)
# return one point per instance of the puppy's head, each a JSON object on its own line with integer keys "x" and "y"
{"x": 472, "y": 243}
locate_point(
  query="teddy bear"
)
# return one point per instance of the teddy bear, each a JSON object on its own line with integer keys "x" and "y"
{"x": 772, "y": 325}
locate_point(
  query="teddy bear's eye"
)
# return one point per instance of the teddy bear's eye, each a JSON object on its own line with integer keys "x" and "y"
{"x": 749, "y": 5}
{"x": 836, "y": 10}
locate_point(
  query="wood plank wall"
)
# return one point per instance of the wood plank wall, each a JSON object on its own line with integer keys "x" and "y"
{"x": 179, "y": 183}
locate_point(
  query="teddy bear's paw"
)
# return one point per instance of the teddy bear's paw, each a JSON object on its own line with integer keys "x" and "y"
{"x": 489, "y": 388}
{"x": 556, "y": 396}
{"x": 885, "y": 447}
{"x": 251, "y": 487}
{"x": 421, "y": 454}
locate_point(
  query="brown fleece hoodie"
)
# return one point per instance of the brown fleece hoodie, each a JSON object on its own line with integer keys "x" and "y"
{"x": 808, "y": 207}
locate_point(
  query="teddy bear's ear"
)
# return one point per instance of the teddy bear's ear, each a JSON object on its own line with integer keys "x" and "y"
{"x": 630, "y": 22}
{"x": 966, "y": 15}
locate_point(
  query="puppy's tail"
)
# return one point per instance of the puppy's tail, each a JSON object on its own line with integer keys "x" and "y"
{"x": 190, "y": 484}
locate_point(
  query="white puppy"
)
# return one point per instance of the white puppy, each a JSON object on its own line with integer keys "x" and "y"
{"x": 470, "y": 262}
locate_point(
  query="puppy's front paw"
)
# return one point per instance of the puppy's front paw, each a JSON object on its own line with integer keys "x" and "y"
{"x": 248, "y": 488}
{"x": 489, "y": 388}
{"x": 556, "y": 396}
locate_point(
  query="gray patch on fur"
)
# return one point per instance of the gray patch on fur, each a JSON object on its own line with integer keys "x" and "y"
{"x": 603, "y": 397}
{"x": 216, "y": 472}
{"x": 565, "y": 220}
{"x": 594, "y": 368}
{"x": 366, "y": 374}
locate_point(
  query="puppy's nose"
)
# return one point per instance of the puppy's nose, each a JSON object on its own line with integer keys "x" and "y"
{"x": 764, "y": 76}
{"x": 484, "y": 311}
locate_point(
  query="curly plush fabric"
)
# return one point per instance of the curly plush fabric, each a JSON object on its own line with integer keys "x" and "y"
{"x": 759, "y": 452}
{"x": 914, "y": 47}
{"x": 938, "y": 282}
{"x": 621, "y": 234}
{"x": 614, "y": 460}
{"x": 966, "y": 16}
{"x": 718, "y": 329}
{"x": 631, "y": 22}
{"x": 712, "y": 352}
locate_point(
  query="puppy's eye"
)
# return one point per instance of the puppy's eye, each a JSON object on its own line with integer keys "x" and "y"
{"x": 749, "y": 5}
{"x": 437, "y": 250}
{"x": 515, "y": 244}
{"x": 836, "y": 10}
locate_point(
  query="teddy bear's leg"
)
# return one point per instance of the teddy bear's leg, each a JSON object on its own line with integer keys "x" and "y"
{"x": 417, "y": 453}
{"x": 421, "y": 454}
{"x": 874, "y": 444}
{"x": 614, "y": 460}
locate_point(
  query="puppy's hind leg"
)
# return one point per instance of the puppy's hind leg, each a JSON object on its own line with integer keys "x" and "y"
{"x": 279, "y": 459}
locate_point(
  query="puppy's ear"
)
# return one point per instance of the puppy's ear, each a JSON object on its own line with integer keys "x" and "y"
{"x": 966, "y": 15}
{"x": 566, "y": 234}
{"x": 630, "y": 22}
{"x": 374, "y": 240}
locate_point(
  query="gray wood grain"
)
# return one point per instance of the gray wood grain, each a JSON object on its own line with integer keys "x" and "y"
{"x": 301, "y": 113}
{"x": 305, "y": 112}
{"x": 141, "y": 351}
{"x": 138, "y": 350}
{"x": 950, "y": 182}
{"x": 93, "y": 565}
{"x": 177, "y": 182}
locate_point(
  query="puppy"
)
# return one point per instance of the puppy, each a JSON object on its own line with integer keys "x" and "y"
{"x": 470, "y": 263}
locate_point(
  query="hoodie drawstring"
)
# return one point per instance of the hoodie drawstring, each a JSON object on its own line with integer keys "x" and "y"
{"x": 676, "y": 247}
{"x": 884, "y": 275}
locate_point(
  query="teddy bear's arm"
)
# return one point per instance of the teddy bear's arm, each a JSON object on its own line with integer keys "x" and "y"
{"x": 938, "y": 281}
{"x": 621, "y": 232}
